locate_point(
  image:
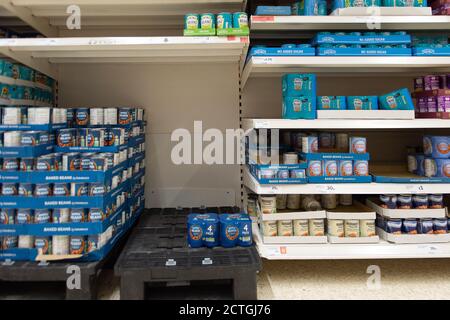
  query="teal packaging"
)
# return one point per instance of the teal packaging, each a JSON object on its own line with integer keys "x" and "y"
{"x": 7, "y": 68}
{"x": 362, "y": 103}
{"x": 331, "y": 103}
{"x": 235, "y": 230}
{"x": 191, "y": 21}
{"x": 297, "y": 85}
{"x": 240, "y": 20}
{"x": 5, "y": 91}
{"x": 299, "y": 108}
{"x": 397, "y": 100}
{"x": 207, "y": 21}
{"x": 305, "y": 8}
{"x": 203, "y": 230}
{"x": 355, "y": 3}
{"x": 404, "y": 3}
{"x": 224, "y": 20}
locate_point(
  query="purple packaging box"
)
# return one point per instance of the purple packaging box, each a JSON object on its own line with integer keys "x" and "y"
{"x": 422, "y": 104}
{"x": 431, "y": 82}
{"x": 431, "y": 104}
{"x": 443, "y": 103}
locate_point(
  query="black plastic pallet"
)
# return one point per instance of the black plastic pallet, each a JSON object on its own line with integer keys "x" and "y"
{"x": 57, "y": 271}
{"x": 157, "y": 252}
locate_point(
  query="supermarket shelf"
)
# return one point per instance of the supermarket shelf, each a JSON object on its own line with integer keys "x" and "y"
{"x": 329, "y": 251}
{"x": 261, "y": 24}
{"x": 49, "y": 16}
{"x": 340, "y": 66}
{"x": 343, "y": 188}
{"x": 42, "y": 54}
{"x": 248, "y": 124}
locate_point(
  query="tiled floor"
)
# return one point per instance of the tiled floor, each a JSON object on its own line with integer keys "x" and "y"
{"x": 400, "y": 279}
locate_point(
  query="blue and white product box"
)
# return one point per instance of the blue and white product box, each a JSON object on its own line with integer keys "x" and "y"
{"x": 362, "y": 103}
{"x": 235, "y": 230}
{"x": 303, "y": 107}
{"x": 331, "y": 103}
{"x": 337, "y": 4}
{"x": 279, "y": 174}
{"x": 309, "y": 8}
{"x": 437, "y": 147}
{"x": 384, "y": 38}
{"x": 442, "y": 51}
{"x": 437, "y": 168}
{"x": 298, "y": 85}
{"x": 397, "y": 100}
{"x": 404, "y": 3}
{"x": 353, "y": 51}
{"x": 203, "y": 230}
{"x": 273, "y": 11}
{"x": 286, "y": 51}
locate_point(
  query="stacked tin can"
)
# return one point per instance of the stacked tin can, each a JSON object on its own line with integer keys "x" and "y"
{"x": 83, "y": 145}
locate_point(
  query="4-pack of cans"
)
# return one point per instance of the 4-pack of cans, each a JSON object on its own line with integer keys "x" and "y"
{"x": 211, "y": 230}
{"x": 85, "y": 116}
{"x": 223, "y": 20}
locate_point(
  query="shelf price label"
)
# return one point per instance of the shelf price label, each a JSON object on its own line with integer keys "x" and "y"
{"x": 415, "y": 188}
{"x": 326, "y": 188}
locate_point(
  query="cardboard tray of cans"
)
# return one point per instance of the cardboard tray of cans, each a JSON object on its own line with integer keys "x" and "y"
{"x": 26, "y": 151}
{"x": 258, "y": 169}
{"x": 259, "y": 235}
{"x": 32, "y": 127}
{"x": 363, "y": 52}
{"x": 383, "y": 11}
{"x": 292, "y": 215}
{"x": 366, "y": 114}
{"x": 330, "y": 38}
{"x": 432, "y": 51}
{"x": 282, "y": 52}
{"x": 405, "y": 213}
{"x": 413, "y": 238}
{"x": 394, "y": 173}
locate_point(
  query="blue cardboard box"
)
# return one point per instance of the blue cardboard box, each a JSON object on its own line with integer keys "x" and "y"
{"x": 299, "y": 85}
{"x": 331, "y": 103}
{"x": 362, "y": 103}
{"x": 273, "y": 11}
{"x": 299, "y": 107}
{"x": 397, "y": 100}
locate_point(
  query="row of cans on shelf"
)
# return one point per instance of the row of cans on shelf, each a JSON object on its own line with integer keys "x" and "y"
{"x": 32, "y": 115}
{"x": 73, "y": 161}
{"x": 55, "y": 189}
{"x": 223, "y": 20}
{"x": 8, "y": 91}
{"x": 40, "y": 216}
{"x": 18, "y": 71}
{"x": 332, "y": 168}
{"x": 414, "y": 226}
{"x": 96, "y": 137}
{"x": 57, "y": 245}
{"x": 83, "y": 116}
{"x": 407, "y": 201}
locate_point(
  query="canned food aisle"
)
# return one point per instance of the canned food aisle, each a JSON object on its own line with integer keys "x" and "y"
{"x": 227, "y": 149}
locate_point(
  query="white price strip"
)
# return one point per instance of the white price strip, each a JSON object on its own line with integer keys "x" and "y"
{"x": 267, "y": 60}
{"x": 414, "y": 188}
{"x": 274, "y": 189}
{"x": 325, "y": 188}
{"x": 428, "y": 249}
{"x": 262, "y": 124}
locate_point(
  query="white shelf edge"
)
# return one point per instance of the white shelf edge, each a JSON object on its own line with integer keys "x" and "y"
{"x": 343, "y": 188}
{"x": 345, "y": 124}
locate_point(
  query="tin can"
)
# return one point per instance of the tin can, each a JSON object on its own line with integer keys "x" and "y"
{"x": 78, "y": 189}
{"x": 9, "y": 189}
{"x": 284, "y": 228}
{"x": 316, "y": 227}
{"x": 345, "y": 168}
{"x": 435, "y": 201}
{"x": 61, "y": 245}
{"x": 66, "y": 137}
{"x": 388, "y": 201}
{"x": 315, "y": 168}
{"x": 125, "y": 116}
{"x": 10, "y": 164}
{"x": 98, "y": 163}
{"x": 95, "y": 137}
{"x": 42, "y": 216}
{"x": 26, "y": 242}
{"x": 11, "y": 138}
{"x": 409, "y": 226}
{"x": 82, "y": 116}
{"x": 293, "y": 201}
{"x": 97, "y": 189}
{"x": 330, "y": 168}
{"x": 61, "y": 189}
{"x": 283, "y": 174}
{"x": 93, "y": 243}
{"x": 9, "y": 242}
{"x": 77, "y": 245}
{"x": 394, "y": 226}
{"x": 310, "y": 144}
{"x": 77, "y": 215}
{"x": 61, "y": 215}
{"x": 26, "y": 164}
{"x": 58, "y": 161}
{"x": 268, "y": 204}
{"x": 270, "y": 228}
{"x": 224, "y": 20}
{"x": 30, "y": 138}
{"x": 346, "y": 199}
{"x": 240, "y": 20}
{"x": 70, "y": 117}
{"x": 301, "y": 227}
{"x": 351, "y": 228}
{"x": 96, "y": 215}
{"x": 25, "y": 189}
{"x": 85, "y": 162}
{"x": 11, "y": 116}
{"x": 45, "y": 163}
{"x": 361, "y": 167}
{"x": 43, "y": 245}
{"x": 42, "y": 190}
{"x": 71, "y": 161}
{"x": 110, "y": 116}
{"x": 281, "y": 201}
{"x": 325, "y": 140}
{"x": 297, "y": 173}
{"x": 207, "y": 21}
{"x": 440, "y": 226}
{"x": 425, "y": 226}
{"x": 7, "y": 216}
{"x": 329, "y": 201}
{"x": 431, "y": 82}
{"x": 358, "y": 145}
{"x": 114, "y": 137}
{"x": 82, "y": 137}
{"x": 336, "y": 227}
{"x": 191, "y": 21}
{"x": 96, "y": 116}
{"x": 24, "y": 216}
{"x": 404, "y": 201}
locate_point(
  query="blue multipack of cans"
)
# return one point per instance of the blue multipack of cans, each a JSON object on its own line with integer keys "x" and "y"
{"x": 299, "y": 96}
{"x": 397, "y": 100}
{"x": 362, "y": 103}
{"x": 331, "y": 103}
{"x": 211, "y": 230}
